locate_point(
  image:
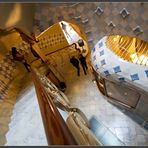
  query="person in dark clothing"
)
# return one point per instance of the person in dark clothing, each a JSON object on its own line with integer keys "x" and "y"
{"x": 75, "y": 63}
{"x": 19, "y": 57}
{"x": 83, "y": 63}
{"x": 35, "y": 53}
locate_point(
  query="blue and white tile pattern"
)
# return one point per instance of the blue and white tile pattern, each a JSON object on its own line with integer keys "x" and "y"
{"x": 109, "y": 63}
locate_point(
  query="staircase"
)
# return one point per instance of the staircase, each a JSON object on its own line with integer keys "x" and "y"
{"x": 26, "y": 115}
{"x": 5, "y": 114}
{"x": 9, "y": 109}
{"x": 7, "y": 105}
{"x": 130, "y": 49}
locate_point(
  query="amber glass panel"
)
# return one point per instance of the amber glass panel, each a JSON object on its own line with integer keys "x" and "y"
{"x": 128, "y": 48}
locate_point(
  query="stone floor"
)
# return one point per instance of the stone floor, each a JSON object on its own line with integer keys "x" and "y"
{"x": 26, "y": 127}
{"x": 83, "y": 93}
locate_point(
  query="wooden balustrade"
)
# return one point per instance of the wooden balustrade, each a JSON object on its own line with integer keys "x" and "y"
{"x": 23, "y": 35}
{"x": 56, "y": 130}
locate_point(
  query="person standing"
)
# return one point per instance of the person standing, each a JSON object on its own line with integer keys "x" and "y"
{"x": 75, "y": 63}
{"x": 83, "y": 63}
{"x": 19, "y": 57}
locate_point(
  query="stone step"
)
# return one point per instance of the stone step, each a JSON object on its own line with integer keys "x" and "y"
{"x": 4, "y": 120}
{"x": 3, "y": 129}
{"x": 26, "y": 127}
{"x": 7, "y": 105}
{"x": 22, "y": 107}
{"x": 6, "y": 109}
{"x": 2, "y": 139}
{"x": 104, "y": 135}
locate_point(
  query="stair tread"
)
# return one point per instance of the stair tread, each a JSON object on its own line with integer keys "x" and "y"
{"x": 4, "y": 129}
{"x": 5, "y": 120}
{"x": 2, "y": 140}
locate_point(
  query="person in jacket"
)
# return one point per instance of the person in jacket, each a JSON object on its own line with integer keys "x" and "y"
{"x": 19, "y": 57}
{"x": 83, "y": 63}
{"x": 75, "y": 63}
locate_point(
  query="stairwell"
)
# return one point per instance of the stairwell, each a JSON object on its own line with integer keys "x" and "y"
{"x": 7, "y": 104}
{"x": 20, "y": 110}
{"x": 26, "y": 115}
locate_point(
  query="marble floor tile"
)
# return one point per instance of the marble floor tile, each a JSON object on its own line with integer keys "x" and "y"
{"x": 83, "y": 93}
{"x": 93, "y": 103}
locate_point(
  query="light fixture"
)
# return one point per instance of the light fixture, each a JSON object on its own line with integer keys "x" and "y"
{"x": 85, "y": 21}
{"x": 137, "y": 30}
{"x": 124, "y": 13}
{"x": 78, "y": 17}
{"x": 94, "y": 81}
{"x": 111, "y": 25}
{"x": 99, "y": 11}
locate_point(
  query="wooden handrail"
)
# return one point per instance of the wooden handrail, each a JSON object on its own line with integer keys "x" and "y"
{"x": 125, "y": 51}
{"x": 23, "y": 35}
{"x": 30, "y": 40}
{"x": 56, "y": 130}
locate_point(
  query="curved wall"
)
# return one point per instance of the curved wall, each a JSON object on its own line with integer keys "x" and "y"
{"x": 105, "y": 61}
{"x": 110, "y": 21}
{"x": 17, "y": 15}
{"x": 12, "y": 15}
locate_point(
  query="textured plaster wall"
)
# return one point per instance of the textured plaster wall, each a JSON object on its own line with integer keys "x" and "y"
{"x": 97, "y": 25}
{"x": 12, "y": 15}
{"x": 9, "y": 69}
{"x": 17, "y": 15}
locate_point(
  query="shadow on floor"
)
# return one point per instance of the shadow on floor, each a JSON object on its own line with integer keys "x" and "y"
{"x": 133, "y": 116}
{"x": 105, "y": 136}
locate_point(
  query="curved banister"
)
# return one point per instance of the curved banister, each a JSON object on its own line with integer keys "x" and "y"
{"x": 131, "y": 49}
{"x": 23, "y": 35}
{"x": 56, "y": 130}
